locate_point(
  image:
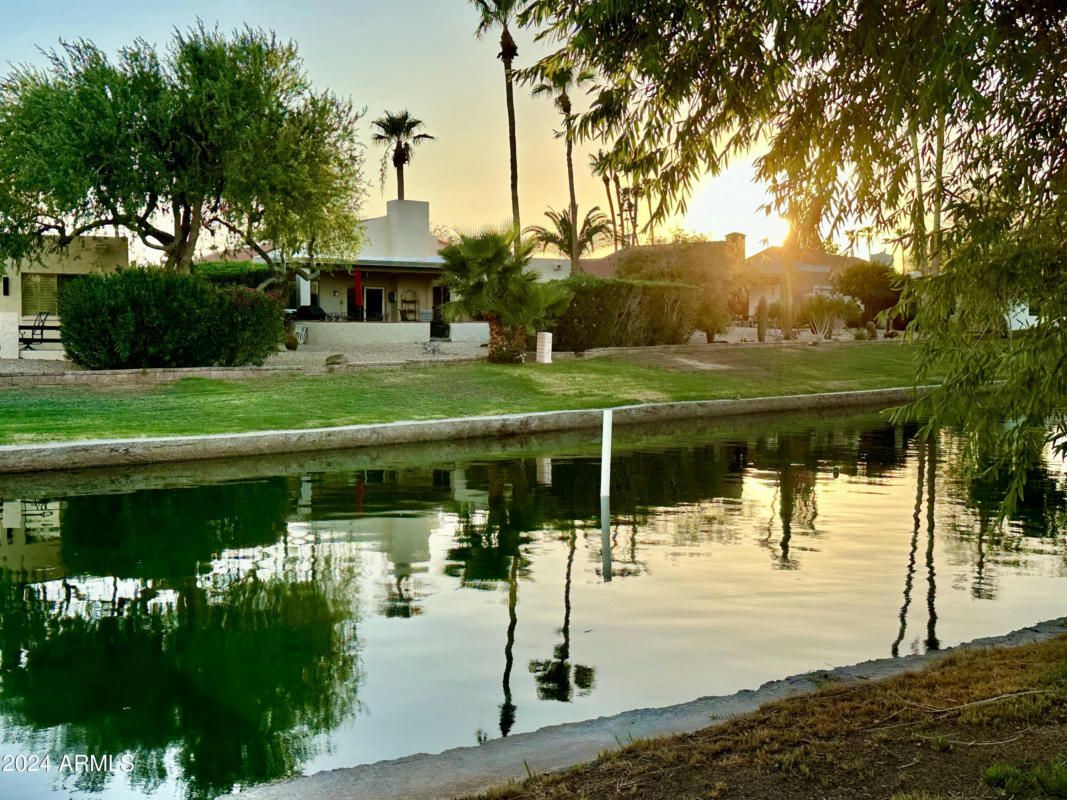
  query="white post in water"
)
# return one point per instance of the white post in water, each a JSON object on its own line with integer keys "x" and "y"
{"x": 605, "y": 538}
{"x": 605, "y": 497}
{"x": 605, "y": 456}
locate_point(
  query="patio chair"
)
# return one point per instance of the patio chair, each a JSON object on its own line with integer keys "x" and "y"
{"x": 34, "y": 334}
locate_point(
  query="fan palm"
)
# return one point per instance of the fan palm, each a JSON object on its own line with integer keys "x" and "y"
{"x": 488, "y": 276}
{"x": 399, "y": 133}
{"x": 596, "y": 228}
{"x": 501, "y": 13}
{"x": 559, "y": 81}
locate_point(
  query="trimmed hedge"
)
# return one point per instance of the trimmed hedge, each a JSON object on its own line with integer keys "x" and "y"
{"x": 611, "y": 312}
{"x": 233, "y": 273}
{"x": 139, "y": 319}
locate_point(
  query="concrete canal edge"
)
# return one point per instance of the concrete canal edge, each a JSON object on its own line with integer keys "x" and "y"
{"x": 120, "y": 452}
{"x": 470, "y": 770}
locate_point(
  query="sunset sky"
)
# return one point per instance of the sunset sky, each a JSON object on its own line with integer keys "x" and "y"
{"x": 415, "y": 54}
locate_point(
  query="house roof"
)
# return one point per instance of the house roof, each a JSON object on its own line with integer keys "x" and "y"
{"x": 769, "y": 261}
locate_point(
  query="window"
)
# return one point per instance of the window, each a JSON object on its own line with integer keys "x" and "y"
{"x": 39, "y": 292}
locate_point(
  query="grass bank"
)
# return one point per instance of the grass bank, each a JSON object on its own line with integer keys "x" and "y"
{"x": 979, "y": 724}
{"x": 199, "y": 406}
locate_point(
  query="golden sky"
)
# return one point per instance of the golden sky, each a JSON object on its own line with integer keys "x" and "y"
{"x": 415, "y": 54}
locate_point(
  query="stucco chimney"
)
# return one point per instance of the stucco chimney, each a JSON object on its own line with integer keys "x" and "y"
{"x": 736, "y": 243}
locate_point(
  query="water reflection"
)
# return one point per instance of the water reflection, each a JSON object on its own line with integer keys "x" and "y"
{"x": 220, "y": 633}
{"x": 153, "y": 644}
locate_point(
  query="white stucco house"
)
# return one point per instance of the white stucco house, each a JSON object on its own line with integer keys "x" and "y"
{"x": 30, "y": 289}
{"x": 392, "y": 282}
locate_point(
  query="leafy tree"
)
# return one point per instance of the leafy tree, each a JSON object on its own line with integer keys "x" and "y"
{"x": 945, "y": 121}
{"x": 560, "y": 80}
{"x": 595, "y": 229}
{"x": 502, "y": 14}
{"x": 220, "y": 134}
{"x": 873, "y": 285}
{"x": 399, "y": 133}
{"x": 488, "y": 277}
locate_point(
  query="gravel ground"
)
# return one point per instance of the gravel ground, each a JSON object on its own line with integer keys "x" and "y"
{"x": 315, "y": 356}
{"x": 33, "y": 366}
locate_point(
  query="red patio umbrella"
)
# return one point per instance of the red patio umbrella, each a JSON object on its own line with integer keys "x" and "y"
{"x": 357, "y": 285}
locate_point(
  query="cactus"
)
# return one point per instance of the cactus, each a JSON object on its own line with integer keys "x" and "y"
{"x": 872, "y": 331}
{"x": 761, "y": 319}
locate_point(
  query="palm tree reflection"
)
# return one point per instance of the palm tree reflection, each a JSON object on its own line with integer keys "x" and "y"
{"x": 554, "y": 675}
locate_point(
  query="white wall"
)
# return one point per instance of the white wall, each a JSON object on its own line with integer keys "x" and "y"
{"x": 551, "y": 269}
{"x": 347, "y": 335}
{"x": 470, "y": 332}
{"x": 404, "y": 232}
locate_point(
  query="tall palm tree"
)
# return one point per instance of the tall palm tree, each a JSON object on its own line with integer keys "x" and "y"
{"x": 559, "y": 81}
{"x": 560, "y": 235}
{"x": 399, "y": 133}
{"x": 501, "y": 13}
{"x": 600, "y": 165}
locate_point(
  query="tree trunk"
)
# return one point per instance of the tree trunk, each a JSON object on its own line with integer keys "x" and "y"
{"x": 399, "y": 181}
{"x": 939, "y": 192}
{"x": 622, "y": 213}
{"x": 651, "y": 230}
{"x": 789, "y": 255}
{"x": 918, "y": 214}
{"x": 510, "y": 94}
{"x": 575, "y": 269}
{"x": 507, "y": 345}
{"x": 611, "y": 207}
{"x": 633, "y": 215}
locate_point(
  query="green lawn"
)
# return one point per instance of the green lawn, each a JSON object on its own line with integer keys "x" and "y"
{"x": 191, "y": 406}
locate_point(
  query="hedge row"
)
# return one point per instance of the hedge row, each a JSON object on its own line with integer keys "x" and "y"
{"x": 627, "y": 313}
{"x": 233, "y": 273}
{"x": 138, "y": 319}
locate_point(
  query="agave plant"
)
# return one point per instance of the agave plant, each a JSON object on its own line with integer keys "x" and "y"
{"x": 559, "y": 235}
{"x": 487, "y": 274}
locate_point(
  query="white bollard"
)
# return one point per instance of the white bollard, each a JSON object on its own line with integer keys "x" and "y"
{"x": 605, "y": 456}
{"x": 544, "y": 471}
{"x": 544, "y": 347}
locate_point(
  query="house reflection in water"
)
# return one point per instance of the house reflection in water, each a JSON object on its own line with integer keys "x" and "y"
{"x": 393, "y": 512}
{"x": 31, "y": 547}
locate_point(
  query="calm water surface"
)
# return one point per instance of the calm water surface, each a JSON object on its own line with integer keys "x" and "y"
{"x": 331, "y": 613}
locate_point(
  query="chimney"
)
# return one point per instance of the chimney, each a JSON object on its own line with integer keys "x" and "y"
{"x": 735, "y": 242}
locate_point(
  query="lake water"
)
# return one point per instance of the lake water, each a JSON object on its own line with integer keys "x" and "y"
{"x": 229, "y": 623}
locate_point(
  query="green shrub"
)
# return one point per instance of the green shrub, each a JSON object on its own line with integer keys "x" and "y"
{"x": 624, "y": 313}
{"x": 762, "y": 314}
{"x": 1042, "y": 780}
{"x": 233, "y": 273}
{"x": 859, "y": 334}
{"x": 824, "y": 314}
{"x": 140, "y": 318}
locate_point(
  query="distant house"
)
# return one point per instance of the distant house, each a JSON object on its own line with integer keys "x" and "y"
{"x": 392, "y": 279}
{"x": 729, "y": 252}
{"x": 812, "y": 274}
{"x": 31, "y": 288}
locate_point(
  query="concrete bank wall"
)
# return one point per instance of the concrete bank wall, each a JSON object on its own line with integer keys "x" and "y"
{"x": 117, "y": 452}
{"x": 471, "y": 770}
